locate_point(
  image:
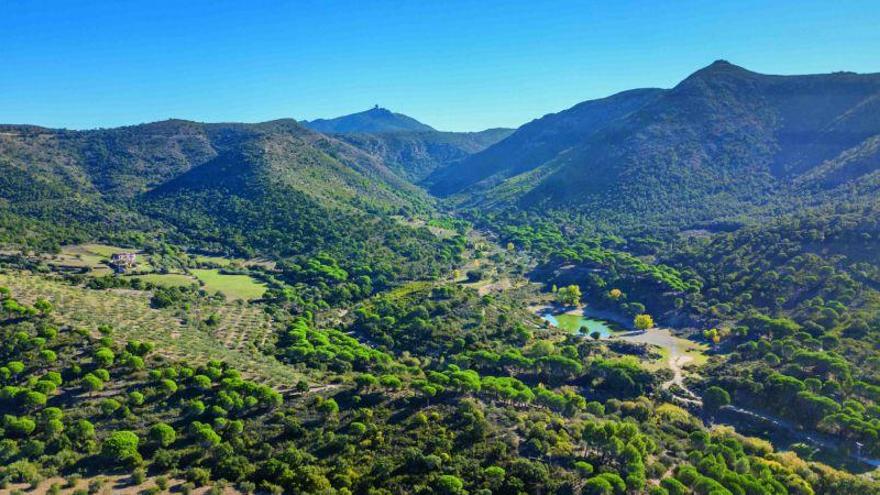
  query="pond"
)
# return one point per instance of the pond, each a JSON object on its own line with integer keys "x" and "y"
{"x": 573, "y": 322}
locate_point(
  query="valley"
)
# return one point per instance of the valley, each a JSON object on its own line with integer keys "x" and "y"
{"x": 665, "y": 292}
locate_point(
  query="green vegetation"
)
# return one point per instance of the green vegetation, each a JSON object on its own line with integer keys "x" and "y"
{"x": 233, "y": 286}
{"x": 217, "y": 260}
{"x": 643, "y": 322}
{"x": 569, "y": 295}
{"x": 131, "y": 316}
{"x": 167, "y": 279}
{"x": 386, "y": 422}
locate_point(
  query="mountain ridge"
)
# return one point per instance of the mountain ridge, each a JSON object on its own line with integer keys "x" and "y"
{"x": 720, "y": 142}
{"x": 104, "y": 182}
{"x": 413, "y": 150}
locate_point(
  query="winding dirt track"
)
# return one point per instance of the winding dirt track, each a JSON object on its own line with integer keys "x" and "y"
{"x": 663, "y": 337}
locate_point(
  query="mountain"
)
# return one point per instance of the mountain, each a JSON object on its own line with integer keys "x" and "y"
{"x": 374, "y": 120}
{"x": 274, "y": 189}
{"x": 128, "y": 161}
{"x": 284, "y": 190}
{"x": 723, "y": 143}
{"x": 415, "y": 155}
{"x": 411, "y": 149}
{"x": 538, "y": 141}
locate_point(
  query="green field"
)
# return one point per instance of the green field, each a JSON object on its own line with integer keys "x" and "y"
{"x": 223, "y": 262}
{"x": 216, "y": 260}
{"x": 233, "y": 286}
{"x": 167, "y": 279}
{"x": 104, "y": 250}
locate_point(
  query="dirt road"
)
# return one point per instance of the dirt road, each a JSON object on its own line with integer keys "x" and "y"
{"x": 678, "y": 358}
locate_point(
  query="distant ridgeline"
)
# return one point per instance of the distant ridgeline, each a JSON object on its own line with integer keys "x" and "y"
{"x": 725, "y": 144}
{"x": 410, "y": 148}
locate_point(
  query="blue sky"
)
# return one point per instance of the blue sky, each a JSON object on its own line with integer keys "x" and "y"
{"x": 452, "y": 64}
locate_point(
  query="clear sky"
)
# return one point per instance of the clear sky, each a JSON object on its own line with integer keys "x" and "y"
{"x": 455, "y": 65}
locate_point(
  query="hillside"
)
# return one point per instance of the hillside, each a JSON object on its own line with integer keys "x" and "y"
{"x": 271, "y": 189}
{"x": 795, "y": 307}
{"x": 294, "y": 193}
{"x": 538, "y": 142}
{"x": 738, "y": 208}
{"x": 721, "y": 143}
{"x": 411, "y": 149}
{"x": 415, "y": 155}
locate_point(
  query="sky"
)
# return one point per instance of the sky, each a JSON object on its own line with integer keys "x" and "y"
{"x": 455, "y": 65}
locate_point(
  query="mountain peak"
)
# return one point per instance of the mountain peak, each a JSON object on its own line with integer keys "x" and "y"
{"x": 373, "y": 121}
{"x": 377, "y": 110}
{"x": 722, "y": 67}
{"x": 718, "y": 71}
{"x": 721, "y": 63}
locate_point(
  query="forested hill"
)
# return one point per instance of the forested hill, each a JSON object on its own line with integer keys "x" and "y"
{"x": 538, "y": 142}
{"x": 415, "y": 155}
{"x": 130, "y": 160}
{"x": 722, "y": 141}
{"x": 272, "y": 189}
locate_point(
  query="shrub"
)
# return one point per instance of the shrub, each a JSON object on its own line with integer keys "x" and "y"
{"x": 16, "y": 426}
{"x": 136, "y": 398}
{"x": 162, "y": 434}
{"x": 72, "y": 480}
{"x": 583, "y": 468}
{"x": 109, "y": 406}
{"x": 121, "y": 448}
{"x": 329, "y": 406}
{"x": 169, "y": 387}
{"x": 92, "y": 383}
{"x": 138, "y": 476}
{"x": 205, "y": 435}
{"x": 449, "y": 484}
{"x": 23, "y": 471}
{"x": 199, "y": 476}
{"x": 96, "y": 485}
{"x": 495, "y": 474}
{"x": 643, "y": 321}
{"x": 104, "y": 357}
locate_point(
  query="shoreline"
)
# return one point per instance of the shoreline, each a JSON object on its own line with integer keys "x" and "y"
{"x": 583, "y": 310}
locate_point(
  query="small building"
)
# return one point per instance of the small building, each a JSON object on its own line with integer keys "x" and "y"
{"x": 122, "y": 262}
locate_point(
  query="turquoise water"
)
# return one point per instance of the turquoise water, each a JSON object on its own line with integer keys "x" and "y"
{"x": 574, "y": 322}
